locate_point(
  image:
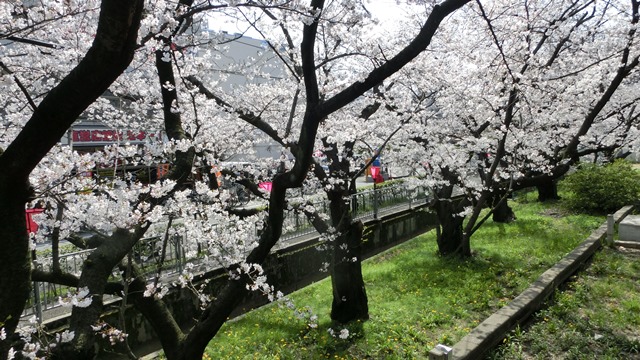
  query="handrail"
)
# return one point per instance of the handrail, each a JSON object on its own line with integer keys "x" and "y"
{"x": 365, "y": 205}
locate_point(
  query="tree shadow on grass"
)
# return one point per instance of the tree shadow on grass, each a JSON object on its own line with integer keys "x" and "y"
{"x": 412, "y": 282}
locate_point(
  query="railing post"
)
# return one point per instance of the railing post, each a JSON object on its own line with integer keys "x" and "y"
{"x": 610, "y": 224}
{"x": 354, "y": 205}
{"x": 36, "y": 295}
{"x": 375, "y": 201}
{"x": 178, "y": 252}
{"x": 440, "y": 352}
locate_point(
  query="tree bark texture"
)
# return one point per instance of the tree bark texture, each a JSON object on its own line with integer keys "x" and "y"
{"x": 450, "y": 239}
{"x": 96, "y": 270}
{"x": 15, "y": 260}
{"x": 350, "y": 300}
{"x": 109, "y": 55}
{"x": 548, "y": 191}
{"x": 502, "y": 212}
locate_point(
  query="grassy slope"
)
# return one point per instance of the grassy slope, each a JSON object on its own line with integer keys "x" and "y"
{"x": 416, "y": 298}
{"x": 596, "y": 317}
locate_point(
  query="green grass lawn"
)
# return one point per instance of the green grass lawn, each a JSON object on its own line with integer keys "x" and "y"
{"x": 416, "y": 298}
{"x": 596, "y": 317}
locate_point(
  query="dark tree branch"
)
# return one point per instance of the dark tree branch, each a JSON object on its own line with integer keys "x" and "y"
{"x": 70, "y": 280}
{"x": 477, "y": 132}
{"x": 377, "y": 152}
{"x": 320, "y": 225}
{"x": 33, "y": 42}
{"x": 621, "y": 74}
{"x": 495, "y": 40}
{"x": 308, "y": 56}
{"x": 415, "y": 47}
{"x": 249, "y": 117}
{"x": 503, "y": 198}
{"x": 340, "y": 56}
{"x": 296, "y": 70}
{"x": 109, "y": 55}
{"x": 292, "y": 113}
{"x": 561, "y": 43}
{"x": 20, "y": 85}
{"x": 155, "y": 311}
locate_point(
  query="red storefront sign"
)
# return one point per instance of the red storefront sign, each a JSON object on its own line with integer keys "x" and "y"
{"x": 32, "y": 226}
{"x": 109, "y": 136}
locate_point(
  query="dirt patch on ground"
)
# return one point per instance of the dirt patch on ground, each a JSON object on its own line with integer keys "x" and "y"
{"x": 633, "y": 252}
{"x": 555, "y": 213}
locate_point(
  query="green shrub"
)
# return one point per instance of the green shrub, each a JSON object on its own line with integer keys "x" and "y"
{"x": 603, "y": 188}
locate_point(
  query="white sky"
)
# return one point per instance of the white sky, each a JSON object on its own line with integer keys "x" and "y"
{"x": 388, "y": 12}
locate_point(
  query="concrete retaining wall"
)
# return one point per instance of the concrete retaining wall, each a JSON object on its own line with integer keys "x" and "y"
{"x": 491, "y": 331}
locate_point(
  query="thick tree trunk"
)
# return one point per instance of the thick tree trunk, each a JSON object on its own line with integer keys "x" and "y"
{"x": 548, "y": 191}
{"x": 96, "y": 270}
{"x": 502, "y": 212}
{"x": 109, "y": 55}
{"x": 450, "y": 238}
{"x": 350, "y": 300}
{"x": 14, "y": 256}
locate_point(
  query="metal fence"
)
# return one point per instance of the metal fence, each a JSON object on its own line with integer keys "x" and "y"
{"x": 295, "y": 225}
{"x": 153, "y": 256}
{"x": 371, "y": 204}
{"x": 147, "y": 255}
{"x": 46, "y": 295}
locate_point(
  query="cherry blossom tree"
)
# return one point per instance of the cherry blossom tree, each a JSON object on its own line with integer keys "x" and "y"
{"x": 346, "y": 141}
{"x": 546, "y": 84}
{"x": 37, "y": 114}
{"x": 203, "y": 122}
{"x": 348, "y": 153}
{"x": 319, "y": 105}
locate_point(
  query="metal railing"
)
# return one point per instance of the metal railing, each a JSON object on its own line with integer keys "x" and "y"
{"x": 295, "y": 225}
{"x": 46, "y": 295}
{"x": 148, "y": 253}
{"x": 370, "y": 204}
{"x": 153, "y": 256}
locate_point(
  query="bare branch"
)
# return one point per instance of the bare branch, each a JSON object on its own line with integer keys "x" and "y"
{"x": 495, "y": 40}
{"x": 249, "y": 117}
{"x": 20, "y": 85}
{"x": 413, "y": 49}
{"x": 292, "y": 113}
{"x": 340, "y": 56}
{"x": 33, "y": 42}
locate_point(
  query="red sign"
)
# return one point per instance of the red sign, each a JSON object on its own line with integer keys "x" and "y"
{"x": 32, "y": 226}
{"x": 265, "y": 185}
{"x": 109, "y": 136}
{"x": 376, "y": 175}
